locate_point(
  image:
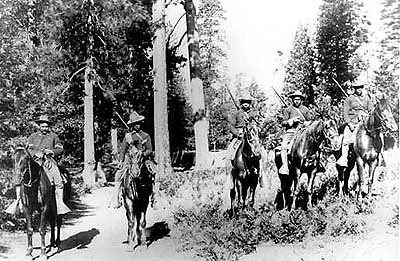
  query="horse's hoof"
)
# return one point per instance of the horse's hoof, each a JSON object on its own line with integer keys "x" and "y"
{"x": 42, "y": 258}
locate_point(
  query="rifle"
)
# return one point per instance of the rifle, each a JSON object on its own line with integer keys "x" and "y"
{"x": 280, "y": 97}
{"x": 340, "y": 87}
{"x": 233, "y": 99}
{"x": 345, "y": 93}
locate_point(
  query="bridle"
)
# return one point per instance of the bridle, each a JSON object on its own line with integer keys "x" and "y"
{"x": 247, "y": 135}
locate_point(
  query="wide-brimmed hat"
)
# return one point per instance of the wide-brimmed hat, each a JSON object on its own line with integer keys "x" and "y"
{"x": 359, "y": 83}
{"x": 246, "y": 98}
{"x": 297, "y": 94}
{"x": 135, "y": 117}
{"x": 43, "y": 118}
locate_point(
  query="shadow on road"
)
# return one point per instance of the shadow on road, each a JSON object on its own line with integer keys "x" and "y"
{"x": 78, "y": 210}
{"x": 157, "y": 231}
{"x": 79, "y": 241}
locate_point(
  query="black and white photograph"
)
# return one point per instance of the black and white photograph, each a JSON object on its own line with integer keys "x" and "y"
{"x": 218, "y": 130}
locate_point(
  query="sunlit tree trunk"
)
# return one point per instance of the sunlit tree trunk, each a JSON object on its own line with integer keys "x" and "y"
{"x": 89, "y": 160}
{"x": 89, "y": 156}
{"x": 200, "y": 118}
{"x": 161, "y": 135}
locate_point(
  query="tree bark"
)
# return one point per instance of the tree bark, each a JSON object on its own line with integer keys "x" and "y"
{"x": 161, "y": 135}
{"x": 198, "y": 105}
{"x": 89, "y": 160}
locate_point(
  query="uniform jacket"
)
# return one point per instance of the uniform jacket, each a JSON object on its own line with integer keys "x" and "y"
{"x": 291, "y": 112}
{"x": 140, "y": 139}
{"x": 238, "y": 120}
{"x": 353, "y": 106}
{"x": 39, "y": 141}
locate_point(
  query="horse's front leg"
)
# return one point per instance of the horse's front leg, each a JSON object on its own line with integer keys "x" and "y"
{"x": 143, "y": 225}
{"x": 42, "y": 230}
{"x": 29, "y": 231}
{"x": 371, "y": 171}
{"x": 239, "y": 186}
{"x": 232, "y": 193}
{"x": 131, "y": 222}
{"x": 138, "y": 237}
{"x": 360, "y": 170}
{"x": 59, "y": 223}
{"x": 253, "y": 187}
{"x": 52, "y": 233}
{"x": 310, "y": 186}
{"x": 341, "y": 179}
{"x": 295, "y": 173}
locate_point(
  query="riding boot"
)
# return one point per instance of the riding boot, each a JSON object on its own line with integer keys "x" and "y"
{"x": 16, "y": 206}
{"x": 342, "y": 161}
{"x": 61, "y": 207}
{"x": 284, "y": 170}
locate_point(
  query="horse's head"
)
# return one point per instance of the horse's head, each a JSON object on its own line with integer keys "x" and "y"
{"x": 136, "y": 159}
{"x": 21, "y": 159}
{"x": 252, "y": 140}
{"x": 384, "y": 112}
{"x": 331, "y": 134}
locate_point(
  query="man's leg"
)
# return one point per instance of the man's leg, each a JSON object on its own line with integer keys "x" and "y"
{"x": 284, "y": 170}
{"x": 115, "y": 199}
{"x": 13, "y": 208}
{"x": 347, "y": 138}
{"x": 54, "y": 174}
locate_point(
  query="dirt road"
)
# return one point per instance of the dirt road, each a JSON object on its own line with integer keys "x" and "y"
{"x": 95, "y": 232}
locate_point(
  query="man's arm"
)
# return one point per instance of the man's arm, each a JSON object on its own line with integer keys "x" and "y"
{"x": 124, "y": 147}
{"x": 232, "y": 123}
{"x": 31, "y": 144}
{"x": 346, "y": 110}
{"x": 308, "y": 115}
{"x": 58, "y": 146}
{"x": 148, "y": 148}
{"x": 285, "y": 118}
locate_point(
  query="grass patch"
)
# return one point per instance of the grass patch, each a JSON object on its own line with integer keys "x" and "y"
{"x": 211, "y": 234}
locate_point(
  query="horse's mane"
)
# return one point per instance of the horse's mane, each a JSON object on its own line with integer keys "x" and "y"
{"x": 311, "y": 130}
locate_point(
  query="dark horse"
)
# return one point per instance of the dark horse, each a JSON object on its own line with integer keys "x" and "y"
{"x": 367, "y": 147}
{"x": 246, "y": 168}
{"x": 34, "y": 180}
{"x": 137, "y": 188}
{"x": 304, "y": 157}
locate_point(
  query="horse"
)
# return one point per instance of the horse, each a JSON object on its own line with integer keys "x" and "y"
{"x": 304, "y": 157}
{"x": 137, "y": 187}
{"x": 33, "y": 180}
{"x": 246, "y": 167}
{"x": 367, "y": 147}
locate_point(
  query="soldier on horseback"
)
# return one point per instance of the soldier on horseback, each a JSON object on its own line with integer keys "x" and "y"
{"x": 44, "y": 145}
{"x": 293, "y": 118}
{"x": 356, "y": 107}
{"x": 142, "y": 141}
{"x": 237, "y": 122}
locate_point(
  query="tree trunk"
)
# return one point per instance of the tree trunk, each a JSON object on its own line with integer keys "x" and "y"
{"x": 89, "y": 168}
{"x": 161, "y": 135}
{"x": 200, "y": 118}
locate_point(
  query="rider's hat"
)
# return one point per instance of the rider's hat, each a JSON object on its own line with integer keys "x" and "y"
{"x": 43, "y": 118}
{"x": 297, "y": 94}
{"x": 359, "y": 83}
{"x": 135, "y": 117}
{"x": 246, "y": 98}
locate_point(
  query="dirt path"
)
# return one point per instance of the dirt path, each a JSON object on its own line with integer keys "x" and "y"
{"x": 94, "y": 232}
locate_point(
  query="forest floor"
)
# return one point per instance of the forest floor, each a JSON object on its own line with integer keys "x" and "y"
{"x": 95, "y": 232}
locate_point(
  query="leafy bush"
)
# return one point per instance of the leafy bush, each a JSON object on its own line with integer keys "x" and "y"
{"x": 207, "y": 230}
